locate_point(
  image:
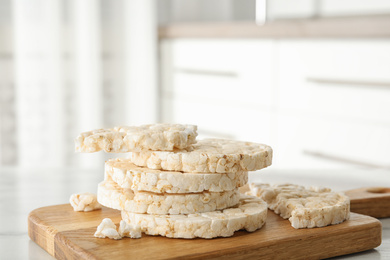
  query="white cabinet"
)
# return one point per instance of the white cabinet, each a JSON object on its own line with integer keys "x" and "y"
{"x": 323, "y": 103}
{"x": 340, "y": 91}
{"x": 282, "y": 9}
{"x": 286, "y": 9}
{"x": 236, "y": 71}
{"x": 354, "y": 7}
{"x": 222, "y": 86}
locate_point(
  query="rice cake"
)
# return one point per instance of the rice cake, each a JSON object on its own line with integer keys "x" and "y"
{"x": 129, "y": 176}
{"x": 164, "y": 137}
{"x": 112, "y": 196}
{"x": 209, "y": 156}
{"x": 304, "y": 207}
{"x": 250, "y": 214}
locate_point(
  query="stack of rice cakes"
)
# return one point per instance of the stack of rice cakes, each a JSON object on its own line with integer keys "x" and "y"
{"x": 176, "y": 187}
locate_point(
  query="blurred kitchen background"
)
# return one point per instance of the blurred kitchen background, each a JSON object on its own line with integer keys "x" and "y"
{"x": 311, "y": 78}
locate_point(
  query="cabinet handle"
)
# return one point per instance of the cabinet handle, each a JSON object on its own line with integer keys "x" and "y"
{"x": 341, "y": 159}
{"x": 347, "y": 82}
{"x": 208, "y": 72}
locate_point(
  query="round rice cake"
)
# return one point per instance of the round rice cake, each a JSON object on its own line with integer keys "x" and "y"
{"x": 129, "y": 176}
{"x": 209, "y": 156}
{"x": 164, "y": 137}
{"x": 304, "y": 207}
{"x": 113, "y": 196}
{"x": 249, "y": 214}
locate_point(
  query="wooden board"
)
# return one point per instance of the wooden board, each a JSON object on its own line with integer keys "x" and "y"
{"x": 67, "y": 234}
{"x": 374, "y": 201}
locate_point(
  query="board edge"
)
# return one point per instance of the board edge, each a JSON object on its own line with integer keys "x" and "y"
{"x": 40, "y": 232}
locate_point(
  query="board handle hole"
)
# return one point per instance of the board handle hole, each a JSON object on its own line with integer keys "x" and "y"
{"x": 379, "y": 190}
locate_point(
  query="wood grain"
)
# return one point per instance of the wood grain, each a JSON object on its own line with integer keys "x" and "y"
{"x": 373, "y": 201}
{"x": 67, "y": 234}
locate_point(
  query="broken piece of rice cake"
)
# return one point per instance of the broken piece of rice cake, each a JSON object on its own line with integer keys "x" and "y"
{"x": 304, "y": 207}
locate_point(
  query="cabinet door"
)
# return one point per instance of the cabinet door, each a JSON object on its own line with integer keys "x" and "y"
{"x": 343, "y": 79}
{"x": 236, "y": 71}
{"x": 340, "y": 90}
{"x": 226, "y": 87}
{"x": 222, "y": 120}
{"x": 294, "y": 148}
{"x": 354, "y": 7}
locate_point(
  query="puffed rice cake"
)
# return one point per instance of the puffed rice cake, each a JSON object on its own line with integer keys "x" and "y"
{"x": 164, "y": 137}
{"x": 129, "y": 176}
{"x": 304, "y": 207}
{"x": 209, "y": 156}
{"x": 112, "y": 196}
{"x": 250, "y": 214}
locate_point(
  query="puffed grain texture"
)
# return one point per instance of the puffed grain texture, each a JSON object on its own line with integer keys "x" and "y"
{"x": 128, "y": 230}
{"x": 112, "y": 196}
{"x": 304, "y": 207}
{"x": 164, "y": 137}
{"x": 129, "y": 176}
{"x": 250, "y": 214}
{"x": 84, "y": 202}
{"x": 209, "y": 156}
{"x": 107, "y": 228}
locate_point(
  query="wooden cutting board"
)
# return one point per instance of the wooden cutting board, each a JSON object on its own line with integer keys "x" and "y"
{"x": 67, "y": 234}
{"x": 373, "y": 201}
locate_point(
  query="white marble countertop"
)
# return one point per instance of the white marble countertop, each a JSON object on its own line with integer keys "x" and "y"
{"x": 23, "y": 190}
